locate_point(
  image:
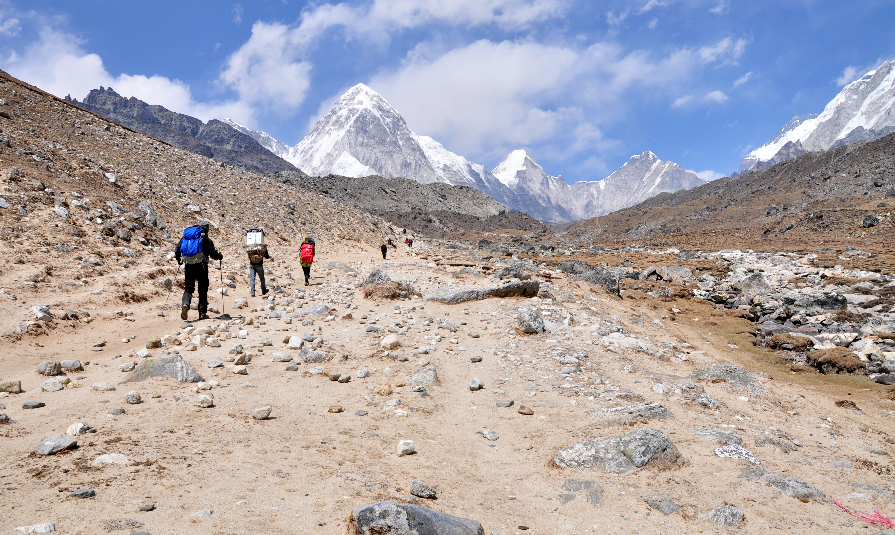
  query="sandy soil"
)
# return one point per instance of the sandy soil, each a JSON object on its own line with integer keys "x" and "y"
{"x": 304, "y": 469}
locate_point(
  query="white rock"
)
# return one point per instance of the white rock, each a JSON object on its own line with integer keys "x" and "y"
{"x": 144, "y": 353}
{"x": 242, "y": 334}
{"x": 205, "y": 400}
{"x": 406, "y": 447}
{"x": 203, "y": 386}
{"x": 212, "y": 342}
{"x": 363, "y": 372}
{"x": 295, "y": 342}
{"x": 52, "y": 385}
{"x": 102, "y": 387}
{"x": 78, "y": 428}
{"x": 47, "y": 527}
{"x": 133, "y": 397}
{"x": 659, "y": 388}
{"x": 240, "y": 370}
{"x": 390, "y": 342}
{"x": 112, "y": 458}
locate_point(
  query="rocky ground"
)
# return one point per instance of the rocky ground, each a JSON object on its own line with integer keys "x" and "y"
{"x": 505, "y": 385}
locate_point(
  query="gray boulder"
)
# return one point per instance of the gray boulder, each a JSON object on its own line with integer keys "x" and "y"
{"x": 649, "y": 410}
{"x": 871, "y": 220}
{"x": 421, "y": 490}
{"x": 530, "y": 321}
{"x": 733, "y": 375}
{"x": 317, "y": 310}
{"x": 50, "y": 368}
{"x": 575, "y": 267}
{"x": 53, "y": 445}
{"x": 513, "y": 288}
{"x": 726, "y": 515}
{"x": 792, "y": 487}
{"x": 71, "y": 365}
{"x": 407, "y": 519}
{"x": 174, "y": 367}
{"x": 623, "y": 454}
{"x": 519, "y": 270}
{"x": 152, "y": 218}
{"x": 427, "y": 375}
{"x": 754, "y": 285}
{"x": 376, "y": 276}
{"x": 606, "y": 277}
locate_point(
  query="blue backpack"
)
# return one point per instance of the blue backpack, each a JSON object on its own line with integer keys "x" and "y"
{"x": 191, "y": 246}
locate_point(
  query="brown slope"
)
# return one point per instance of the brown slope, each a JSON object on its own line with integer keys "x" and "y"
{"x": 53, "y": 153}
{"x": 820, "y": 197}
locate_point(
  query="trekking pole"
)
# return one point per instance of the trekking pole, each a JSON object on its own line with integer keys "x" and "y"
{"x": 221, "y": 267}
{"x": 172, "y": 285}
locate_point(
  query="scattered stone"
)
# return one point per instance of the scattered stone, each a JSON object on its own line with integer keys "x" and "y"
{"x": 344, "y": 378}
{"x": 408, "y": 519}
{"x": 476, "y": 384}
{"x": 505, "y": 403}
{"x": 649, "y": 410}
{"x": 175, "y": 367}
{"x": 364, "y": 373}
{"x": 712, "y": 434}
{"x": 120, "y": 524}
{"x": 154, "y": 342}
{"x": 204, "y": 401}
{"x": 475, "y": 359}
{"x": 146, "y": 507}
{"x": 242, "y": 359}
{"x": 733, "y": 375}
{"x": 13, "y": 387}
{"x": 33, "y": 404}
{"x": 50, "y": 446}
{"x": 792, "y": 487}
{"x": 42, "y": 313}
{"x": 525, "y": 410}
{"x": 871, "y": 220}
{"x": 47, "y": 527}
{"x": 78, "y": 428}
{"x": 102, "y": 386}
{"x": 112, "y": 458}
{"x": 335, "y": 409}
{"x": 116, "y": 412}
{"x": 49, "y": 368}
{"x": 725, "y": 515}
{"x": 406, "y": 447}
{"x": 216, "y": 363}
{"x": 280, "y": 357}
{"x": 490, "y": 434}
{"x": 571, "y": 486}
{"x": 128, "y": 366}
{"x": 662, "y": 503}
{"x": 427, "y": 375}
{"x": 530, "y": 321}
{"x": 52, "y": 385}
{"x": 623, "y": 454}
{"x": 421, "y": 490}
{"x": 735, "y": 451}
{"x": 83, "y": 493}
{"x": 133, "y": 398}
{"x": 390, "y": 342}
{"x": 261, "y": 413}
{"x": 71, "y": 365}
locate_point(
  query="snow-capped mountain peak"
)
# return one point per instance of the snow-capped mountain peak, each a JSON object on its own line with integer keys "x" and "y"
{"x": 862, "y": 111}
{"x": 509, "y": 170}
{"x": 263, "y": 138}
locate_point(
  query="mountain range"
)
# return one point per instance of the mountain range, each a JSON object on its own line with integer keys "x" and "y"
{"x": 362, "y": 135}
{"x": 214, "y": 139}
{"x": 864, "y": 110}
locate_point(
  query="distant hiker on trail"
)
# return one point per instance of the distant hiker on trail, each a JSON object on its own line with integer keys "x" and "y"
{"x": 257, "y": 253}
{"x": 306, "y": 257}
{"x": 409, "y": 242}
{"x": 384, "y": 249}
{"x": 389, "y": 242}
{"x": 194, "y": 250}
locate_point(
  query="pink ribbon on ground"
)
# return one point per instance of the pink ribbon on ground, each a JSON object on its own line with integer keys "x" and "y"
{"x": 875, "y": 518}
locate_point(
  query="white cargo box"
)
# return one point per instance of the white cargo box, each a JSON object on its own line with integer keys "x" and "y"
{"x": 254, "y": 236}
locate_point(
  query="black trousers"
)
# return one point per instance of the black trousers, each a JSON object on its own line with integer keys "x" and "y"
{"x": 307, "y": 270}
{"x": 193, "y": 274}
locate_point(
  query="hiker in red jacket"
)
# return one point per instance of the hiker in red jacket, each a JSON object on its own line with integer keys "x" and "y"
{"x": 306, "y": 257}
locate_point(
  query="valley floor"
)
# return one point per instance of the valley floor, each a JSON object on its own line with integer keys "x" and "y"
{"x": 305, "y": 468}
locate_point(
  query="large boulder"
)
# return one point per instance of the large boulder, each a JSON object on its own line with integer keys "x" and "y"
{"x": 427, "y": 375}
{"x": 754, "y": 285}
{"x": 405, "y": 519}
{"x": 377, "y": 276}
{"x": 519, "y": 270}
{"x": 174, "y": 367}
{"x": 606, "y": 277}
{"x": 513, "y": 288}
{"x": 644, "y": 446}
{"x": 530, "y": 321}
{"x": 53, "y": 445}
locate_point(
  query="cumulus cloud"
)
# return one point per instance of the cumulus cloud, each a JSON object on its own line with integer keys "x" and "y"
{"x": 56, "y": 63}
{"x": 488, "y": 97}
{"x": 725, "y": 51}
{"x": 716, "y": 96}
{"x": 848, "y": 76}
{"x": 651, "y": 5}
{"x": 653, "y": 23}
{"x": 720, "y": 9}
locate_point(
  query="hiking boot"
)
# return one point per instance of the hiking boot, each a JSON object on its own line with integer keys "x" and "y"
{"x": 306, "y": 282}
{"x": 183, "y": 312}
{"x": 203, "y": 316}
{"x": 253, "y": 294}
{"x": 264, "y": 291}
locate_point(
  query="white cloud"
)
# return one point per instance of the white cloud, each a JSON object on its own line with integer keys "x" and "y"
{"x": 720, "y": 9}
{"x": 743, "y": 79}
{"x": 848, "y": 76}
{"x": 489, "y": 97}
{"x": 9, "y": 26}
{"x": 651, "y": 5}
{"x": 708, "y": 175}
{"x": 56, "y": 63}
{"x": 237, "y": 13}
{"x": 716, "y": 96}
{"x": 653, "y": 23}
{"x": 682, "y": 101}
{"x": 725, "y": 51}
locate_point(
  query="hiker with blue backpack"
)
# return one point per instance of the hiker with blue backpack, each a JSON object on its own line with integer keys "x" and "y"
{"x": 193, "y": 251}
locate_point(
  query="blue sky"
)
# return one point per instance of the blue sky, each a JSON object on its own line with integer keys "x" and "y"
{"x": 582, "y": 85}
